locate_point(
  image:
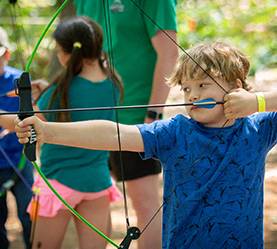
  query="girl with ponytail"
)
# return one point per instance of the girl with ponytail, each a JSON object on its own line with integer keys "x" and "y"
{"x": 81, "y": 176}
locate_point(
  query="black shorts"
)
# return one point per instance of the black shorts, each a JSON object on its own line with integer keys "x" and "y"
{"x": 134, "y": 166}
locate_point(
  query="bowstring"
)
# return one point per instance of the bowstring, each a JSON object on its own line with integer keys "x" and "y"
{"x": 107, "y": 20}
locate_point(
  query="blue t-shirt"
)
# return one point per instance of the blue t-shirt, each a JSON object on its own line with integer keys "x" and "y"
{"x": 9, "y": 143}
{"x": 213, "y": 180}
{"x": 81, "y": 169}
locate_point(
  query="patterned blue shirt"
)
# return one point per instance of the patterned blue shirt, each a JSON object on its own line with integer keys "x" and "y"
{"x": 213, "y": 180}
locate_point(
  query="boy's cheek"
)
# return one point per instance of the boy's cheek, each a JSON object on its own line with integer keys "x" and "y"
{"x": 186, "y": 98}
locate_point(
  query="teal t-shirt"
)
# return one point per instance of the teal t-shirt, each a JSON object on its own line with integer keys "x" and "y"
{"x": 81, "y": 169}
{"x": 133, "y": 54}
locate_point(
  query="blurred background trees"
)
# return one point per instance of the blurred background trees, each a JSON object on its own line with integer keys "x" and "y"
{"x": 250, "y": 25}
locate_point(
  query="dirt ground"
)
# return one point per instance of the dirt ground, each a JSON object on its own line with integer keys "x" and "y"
{"x": 270, "y": 215}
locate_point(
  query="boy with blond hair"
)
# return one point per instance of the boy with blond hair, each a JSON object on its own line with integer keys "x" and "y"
{"x": 213, "y": 161}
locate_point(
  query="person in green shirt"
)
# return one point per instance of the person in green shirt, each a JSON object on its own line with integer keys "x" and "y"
{"x": 81, "y": 176}
{"x": 143, "y": 56}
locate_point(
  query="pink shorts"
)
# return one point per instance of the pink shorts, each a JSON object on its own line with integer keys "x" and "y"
{"x": 49, "y": 204}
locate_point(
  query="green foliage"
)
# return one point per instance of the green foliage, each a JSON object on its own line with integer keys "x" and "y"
{"x": 24, "y": 23}
{"x": 248, "y": 24}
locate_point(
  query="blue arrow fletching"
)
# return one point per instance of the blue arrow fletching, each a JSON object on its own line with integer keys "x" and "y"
{"x": 205, "y": 103}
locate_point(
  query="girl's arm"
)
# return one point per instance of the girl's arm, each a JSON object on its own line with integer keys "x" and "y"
{"x": 96, "y": 134}
{"x": 240, "y": 103}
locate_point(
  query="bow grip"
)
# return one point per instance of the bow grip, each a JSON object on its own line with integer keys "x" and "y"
{"x": 24, "y": 91}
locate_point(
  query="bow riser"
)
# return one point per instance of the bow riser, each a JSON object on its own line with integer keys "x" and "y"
{"x": 24, "y": 91}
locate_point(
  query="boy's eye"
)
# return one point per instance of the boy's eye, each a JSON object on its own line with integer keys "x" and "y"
{"x": 203, "y": 84}
{"x": 186, "y": 89}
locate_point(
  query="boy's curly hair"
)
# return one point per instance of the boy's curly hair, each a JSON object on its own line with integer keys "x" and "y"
{"x": 218, "y": 59}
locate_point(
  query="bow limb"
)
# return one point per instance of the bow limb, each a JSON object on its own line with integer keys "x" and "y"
{"x": 24, "y": 91}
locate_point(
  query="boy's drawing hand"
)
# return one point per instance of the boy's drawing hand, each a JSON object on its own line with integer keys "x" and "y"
{"x": 239, "y": 103}
{"x": 23, "y": 129}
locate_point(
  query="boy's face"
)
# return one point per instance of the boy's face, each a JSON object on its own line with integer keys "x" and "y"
{"x": 195, "y": 90}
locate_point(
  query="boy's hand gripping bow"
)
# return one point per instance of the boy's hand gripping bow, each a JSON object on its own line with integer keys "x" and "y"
{"x": 24, "y": 91}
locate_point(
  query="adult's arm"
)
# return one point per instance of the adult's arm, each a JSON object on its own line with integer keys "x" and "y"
{"x": 167, "y": 53}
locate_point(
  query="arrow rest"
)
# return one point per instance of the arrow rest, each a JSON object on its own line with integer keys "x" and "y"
{"x": 24, "y": 91}
{"x": 133, "y": 233}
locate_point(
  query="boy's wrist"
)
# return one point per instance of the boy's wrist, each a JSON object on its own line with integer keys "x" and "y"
{"x": 261, "y": 102}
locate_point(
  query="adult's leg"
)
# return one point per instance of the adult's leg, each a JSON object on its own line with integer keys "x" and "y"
{"x": 142, "y": 178}
{"x": 144, "y": 193}
{"x": 98, "y": 213}
{"x": 23, "y": 196}
{"x": 50, "y": 231}
{"x": 4, "y": 243}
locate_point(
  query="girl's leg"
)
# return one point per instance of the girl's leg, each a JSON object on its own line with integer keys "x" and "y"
{"x": 50, "y": 231}
{"x": 98, "y": 213}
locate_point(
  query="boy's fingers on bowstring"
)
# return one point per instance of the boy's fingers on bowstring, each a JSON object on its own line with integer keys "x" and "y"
{"x": 229, "y": 115}
{"x": 227, "y": 104}
{"x": 228, "y": 112}
{"x": 230, "y": 102}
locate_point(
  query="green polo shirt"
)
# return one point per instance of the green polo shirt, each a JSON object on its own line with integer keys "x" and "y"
{"x": 133, "y": 54}
{"x": 80, "y": 169}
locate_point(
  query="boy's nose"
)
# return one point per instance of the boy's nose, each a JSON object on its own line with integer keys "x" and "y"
{"x": 194, "y": 97}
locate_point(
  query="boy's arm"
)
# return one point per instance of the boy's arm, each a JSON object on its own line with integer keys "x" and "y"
{"x": 96, "y": 134}
{"x": 240, "y": 103}
{"x": 271, "y": 101}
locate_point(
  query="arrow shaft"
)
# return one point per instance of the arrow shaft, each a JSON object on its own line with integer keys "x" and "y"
{"x": 111, "y": 108}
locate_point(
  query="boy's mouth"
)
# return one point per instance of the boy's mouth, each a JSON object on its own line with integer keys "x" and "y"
{"x": 194, "y": 107}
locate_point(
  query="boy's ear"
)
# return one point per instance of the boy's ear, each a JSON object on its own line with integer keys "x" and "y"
{"x": 238, "y": 83}
{"x": 7, "y": 55}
